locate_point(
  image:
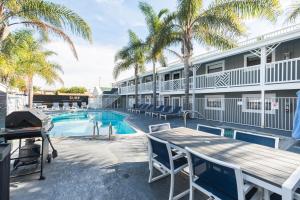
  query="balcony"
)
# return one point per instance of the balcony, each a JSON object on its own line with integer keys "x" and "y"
{"x": 142, "y": 88}
{"x": 239, "y": 79}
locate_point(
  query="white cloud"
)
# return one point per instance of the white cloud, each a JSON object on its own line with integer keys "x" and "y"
{"x": 95, "y": 61}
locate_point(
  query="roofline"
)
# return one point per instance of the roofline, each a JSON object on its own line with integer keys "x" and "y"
{"x": 277, "y": 36}
{"x": 3, "y": 88}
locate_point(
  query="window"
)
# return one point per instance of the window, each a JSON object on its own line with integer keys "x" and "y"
{"x": 215, "y": 67}
{"x": 252, "y": 60}
{"x": 148, "y": 79}
{"x": 167, "y": 77}
{"x": 214, "y": 102}
{"x": 176, "y": 76}
{"x": 252, "y": 103}
{"x": 190, "y": 102}
{"x": 175, "y": 101}
{"x": 148, "y": 99}
{"x": 166, "y": 101}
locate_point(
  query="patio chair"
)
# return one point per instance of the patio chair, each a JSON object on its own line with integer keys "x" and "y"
{"x": 141, "y": 108}
{"x": 175, "y": 113}
{"x": 148, "y": 108}
{"x": 164, "y": 110}
{"x": 149, "y": 112}
{"x": 264, "y": 140}
{"x": 210, "y": 129}
{"x": 157, "y": 110}
{"x": 84, "y": 105}
{"x": 217, "y": 179}
{"x": 161, "y": 158}
{"x": 131, "y": 108}
{"x": 55, "y": 106}
{"x": 138, "y": 107}
{"x": 66, "y": 106}
{"x": 159, "y": 127}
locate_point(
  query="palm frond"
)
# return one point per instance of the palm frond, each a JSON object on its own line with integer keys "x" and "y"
{"x": 48, "y": 28}
{"x": 55, "y": 14}
{"x": 269, "y": 9}
{"x": 293, "y": 12}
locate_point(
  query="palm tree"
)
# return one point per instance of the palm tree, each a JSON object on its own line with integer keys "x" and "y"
{"x": 131, "y": 57}
{"x": 28, "y": 59}
{"x": 44, "y": 16}
{"x": 293, "y": 11}
{"x": 155, "y": 22}
{"x": 215, "y": 25}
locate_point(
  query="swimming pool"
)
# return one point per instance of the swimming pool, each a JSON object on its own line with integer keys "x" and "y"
{"x": 82, "y": 123}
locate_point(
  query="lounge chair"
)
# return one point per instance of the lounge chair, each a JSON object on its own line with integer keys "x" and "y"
{"x": 165, "y": 109}
{"x": 137, "y": 107}
{"x": 159, "y": 127}
{"x": 84, "y": 105}
{"x": 210, "y": 129}
{"x": 55, "y": 106}
{"x": 264, "y": 140}
{"x": 141, "y": 108}
{"x": 148, "y": 108}
{"x": 175, "y": 113}
{"x": 131, "y": 108}
{"x": 162, "y": 158}
{"x": 66, "y": 106}
{"x": 218, "y": 179}
{"x": 149, "y": 112}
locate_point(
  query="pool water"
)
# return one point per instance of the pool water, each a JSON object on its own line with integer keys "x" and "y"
{"x": 82, "y": 123}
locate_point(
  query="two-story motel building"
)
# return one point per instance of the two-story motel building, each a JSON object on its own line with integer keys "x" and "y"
{"x": 230, "y": 86}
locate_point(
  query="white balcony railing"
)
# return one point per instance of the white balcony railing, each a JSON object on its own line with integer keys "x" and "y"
{"x": 175, "y": 85}
{"x": 285, "y": 71}
{"x": 229, "y": 78}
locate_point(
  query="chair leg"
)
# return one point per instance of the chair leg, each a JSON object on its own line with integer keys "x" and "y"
{"x": 191, "y": 193}
{"x": 172, "y": 187}
{"x": 151, "y": 173}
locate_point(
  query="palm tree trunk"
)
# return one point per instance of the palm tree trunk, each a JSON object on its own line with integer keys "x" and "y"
{"x": 187, "y": 63}
{"x": 30, "y": 91}
{"x": 136, "y": 73}
{"x": 154, "y": 84}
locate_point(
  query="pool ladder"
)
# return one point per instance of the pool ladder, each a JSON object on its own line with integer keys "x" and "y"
{"x": 96, "y": 127}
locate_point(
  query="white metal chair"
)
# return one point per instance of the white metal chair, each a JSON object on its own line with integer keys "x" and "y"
{"x": 164, "y": 160}
{"x": 264, "y": 140}
{"x": 159, "y": 127}
{"x": 66, "y": 106}
{"x": 217, "y": 179}
{"x": 210, "y": 129}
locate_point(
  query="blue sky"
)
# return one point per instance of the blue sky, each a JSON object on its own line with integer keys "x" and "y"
{"x": 110, "y": 21}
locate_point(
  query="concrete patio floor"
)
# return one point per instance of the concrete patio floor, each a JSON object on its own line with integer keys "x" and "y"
{"x": 89, "y": 169}
{"x": 97, "y": 169}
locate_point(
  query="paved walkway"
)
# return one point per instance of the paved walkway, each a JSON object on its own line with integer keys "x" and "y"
{"x": 101, "y": 170}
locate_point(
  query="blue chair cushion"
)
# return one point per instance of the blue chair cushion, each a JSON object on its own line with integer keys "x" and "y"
{"x": 256, "y": 139}
{"x": 177, "y": 163}
{"x": 222, "y": 189}
{"x": 214, "y": 131}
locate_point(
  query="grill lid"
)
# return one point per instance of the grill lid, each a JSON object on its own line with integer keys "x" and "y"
{"x": 25, "y": 119}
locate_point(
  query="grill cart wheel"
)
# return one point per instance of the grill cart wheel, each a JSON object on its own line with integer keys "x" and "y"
{"x": 49, "y": 158}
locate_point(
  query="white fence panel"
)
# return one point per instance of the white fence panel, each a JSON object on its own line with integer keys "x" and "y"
{"x": 279, "y": 111}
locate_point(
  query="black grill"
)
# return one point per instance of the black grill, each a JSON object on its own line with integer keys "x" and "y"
{"x": 29, "y": 125}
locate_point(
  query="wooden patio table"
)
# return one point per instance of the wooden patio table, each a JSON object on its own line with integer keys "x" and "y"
{"x": 273, "y": 169}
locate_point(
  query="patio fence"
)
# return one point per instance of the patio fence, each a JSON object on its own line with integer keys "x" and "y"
{"x": 279, "y": 111}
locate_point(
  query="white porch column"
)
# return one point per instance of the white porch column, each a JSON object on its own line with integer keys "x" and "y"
{"x": 193, "y": 90}
{"x": 263, "y": 61}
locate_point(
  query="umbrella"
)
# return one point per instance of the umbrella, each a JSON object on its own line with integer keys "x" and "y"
{"x": 296, "y": 130}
